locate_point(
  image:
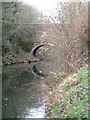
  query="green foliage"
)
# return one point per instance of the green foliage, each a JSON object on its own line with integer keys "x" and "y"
{"x": 9, "y": 11}
{"x": 74, "y": 103}
{"x": 67, "y": 86}
{"x": 14, "y": 17}
{"x": 6, "y": 61}
{"x": 82, "y": 74}
{"x": 26, "y": 46}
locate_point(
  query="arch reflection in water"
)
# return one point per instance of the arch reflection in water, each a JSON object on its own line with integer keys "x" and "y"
{"x": 38, "y": 72}
{"x": 21, "y": 92}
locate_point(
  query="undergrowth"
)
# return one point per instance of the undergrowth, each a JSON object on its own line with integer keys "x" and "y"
{"x": 74, "y": 104}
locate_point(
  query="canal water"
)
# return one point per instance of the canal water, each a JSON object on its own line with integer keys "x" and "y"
{"x": 24, "y": 87}
{"x": 22, "y": 92}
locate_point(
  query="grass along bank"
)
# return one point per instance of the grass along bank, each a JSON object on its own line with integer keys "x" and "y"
{"x": 72, "y": 97}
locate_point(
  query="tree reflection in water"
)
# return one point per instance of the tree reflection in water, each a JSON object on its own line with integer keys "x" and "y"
{"x": 21, "y": 93}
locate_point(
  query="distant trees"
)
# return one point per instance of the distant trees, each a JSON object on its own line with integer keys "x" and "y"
{"x": 71, "y": 33}
{"x": 9, "y": 10}
{"x": 17, "y": 33}
{"x": 27, "y": 15}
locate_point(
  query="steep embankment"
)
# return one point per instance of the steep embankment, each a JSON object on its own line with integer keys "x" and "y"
{"x": 70, "y": 99}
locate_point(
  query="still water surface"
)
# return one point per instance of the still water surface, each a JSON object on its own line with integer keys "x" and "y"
{"x": 25, "y": 85}
{"x": 22, "y": 92}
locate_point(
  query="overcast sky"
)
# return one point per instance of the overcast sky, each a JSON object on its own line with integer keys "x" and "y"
{"x": 42, "y": 4}
{"x": 46, "y": 6}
